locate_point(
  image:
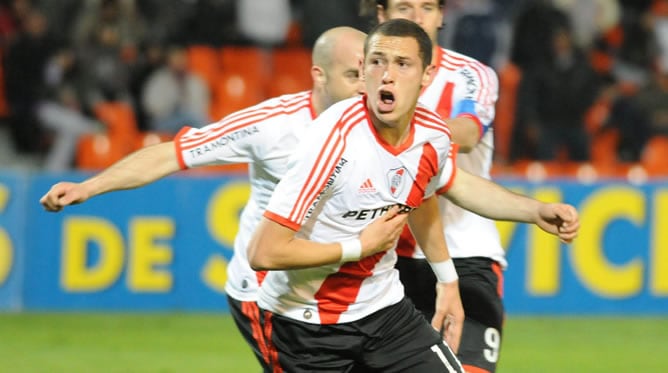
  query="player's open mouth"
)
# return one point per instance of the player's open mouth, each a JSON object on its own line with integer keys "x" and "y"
{"x": 386, "y": 101}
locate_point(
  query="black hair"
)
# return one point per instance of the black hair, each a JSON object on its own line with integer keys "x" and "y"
{"x": 404, "y": 28}
{"x": 368, "y": 9}
{"x": 383, "y": 3}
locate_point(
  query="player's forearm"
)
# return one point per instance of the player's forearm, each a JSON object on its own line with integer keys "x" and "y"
{"x": 427, "y": 228}
{"x": 137, "y": 169}
{"x": 491, "y": 200}
{"x": 295, "y": 254}
{"x": 274, "y": 247}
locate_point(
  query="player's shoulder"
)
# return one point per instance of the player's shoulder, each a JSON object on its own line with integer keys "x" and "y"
{"x": 345, "y": 110}
{"x": 340, "y": 116}
{"x": 452, "y": 59}
{"x": 285, "y": 103}
{"x": 427, "y": 118}
{"x": 273, "y": 109}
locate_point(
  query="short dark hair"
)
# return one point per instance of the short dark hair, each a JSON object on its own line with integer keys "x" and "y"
{"x": 383, "y": 3}
{"x": 368, "y": 8}
{"x": 404, "y": 28}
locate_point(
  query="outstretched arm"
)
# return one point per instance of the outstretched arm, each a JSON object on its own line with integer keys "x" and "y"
{"x": 137, "y": 169}
{"x": 426, "y": 226}
{"x": 493, "y": 201}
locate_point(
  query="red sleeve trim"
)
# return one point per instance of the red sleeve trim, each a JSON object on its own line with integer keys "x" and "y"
{"x": 179, "y": 150}
{"x": 282, "y": 221}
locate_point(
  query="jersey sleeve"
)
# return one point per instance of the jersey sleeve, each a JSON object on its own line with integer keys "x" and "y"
{"x": 446, "y": 176}
{"x": 480, "y": 102}
{"x": 225, "y": 142}
{"x": 309, "y": 169}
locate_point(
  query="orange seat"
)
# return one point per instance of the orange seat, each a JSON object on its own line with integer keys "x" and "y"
{"x": 235, "y": 91}
{"x": 603, "y": 148}
{"x": 660, "y": 8}
{"x": 250, "y": 63}
{"x": 238, "y": 58}
{"x": 119, "y": 117}
{"x": 149, "y": 138}
{"x": 99, "y": 151}
{"x": 291, "y": 71}
{"x": 241, "y": 83}
{"x": 203, "y": 61}
{"x": 655, "y": 156}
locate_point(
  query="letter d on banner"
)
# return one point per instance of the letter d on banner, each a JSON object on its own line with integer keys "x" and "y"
{"x": 77, "y": 273}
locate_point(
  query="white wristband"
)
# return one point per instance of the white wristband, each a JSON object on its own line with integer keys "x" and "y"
{"x": 351, "y": 250}
{"x": 445, "y": 271}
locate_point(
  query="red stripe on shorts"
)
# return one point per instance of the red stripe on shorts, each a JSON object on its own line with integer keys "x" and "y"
{"x": 496, "y": 268}
{"x": 273, "y": 352}
{"x": 474, "y": 369}
{"x": 252, "y": 312}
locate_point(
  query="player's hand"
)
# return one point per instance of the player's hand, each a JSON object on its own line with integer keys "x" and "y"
{"x": 449, "y": 316}
{"x": 559, "y": 219}
{"x": 63, "y": 194}
{"x": 382, "y": 234}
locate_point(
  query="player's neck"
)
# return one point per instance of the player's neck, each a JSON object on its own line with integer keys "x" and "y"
{"x": 435, "y": 53}
{"x": 317, "y": 102}
{"x": 394, "y": 133}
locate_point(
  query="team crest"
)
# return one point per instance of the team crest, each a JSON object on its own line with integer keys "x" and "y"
{"x": 396, "y": 178}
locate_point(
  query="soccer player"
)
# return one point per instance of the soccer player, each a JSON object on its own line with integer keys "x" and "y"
{"x": 465, "y": 91}
{"x": 332, "y": 298}
{"x": 262, "y": 136}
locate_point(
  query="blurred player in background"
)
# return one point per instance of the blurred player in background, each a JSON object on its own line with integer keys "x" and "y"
{"x": 464, "y": 91}
{"x": 263, "y": 136}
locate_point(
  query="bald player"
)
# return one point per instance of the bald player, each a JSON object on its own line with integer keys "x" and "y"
{"x": 263, "y": 136}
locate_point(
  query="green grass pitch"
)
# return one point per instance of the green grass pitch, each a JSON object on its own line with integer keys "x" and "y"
{"x": 193, "y": 342}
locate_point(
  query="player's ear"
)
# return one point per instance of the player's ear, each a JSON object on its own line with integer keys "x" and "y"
{"x": 428, "y": 75}
{"x": 318, "y": 75}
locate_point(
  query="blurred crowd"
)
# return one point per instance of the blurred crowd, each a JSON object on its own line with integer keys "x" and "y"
{"x": 580, "y": 80}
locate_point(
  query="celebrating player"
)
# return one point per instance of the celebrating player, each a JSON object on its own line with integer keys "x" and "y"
{"x": 465, "y": 91}
{"x": 332, "y": 297}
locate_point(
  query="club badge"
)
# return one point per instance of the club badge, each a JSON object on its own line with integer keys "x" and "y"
{"x": 396, "y": 179}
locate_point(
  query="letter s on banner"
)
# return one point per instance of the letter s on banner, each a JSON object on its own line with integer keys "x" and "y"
{"x": 222, "y": 221}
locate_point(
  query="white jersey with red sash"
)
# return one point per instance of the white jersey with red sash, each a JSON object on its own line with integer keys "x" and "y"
{"x": 342, "y": 177}
{"x": 263, "y": 136}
